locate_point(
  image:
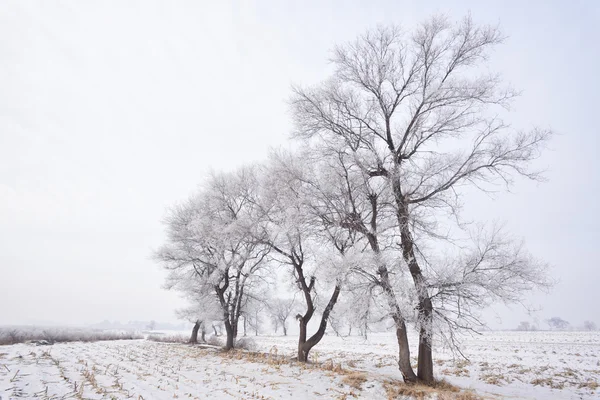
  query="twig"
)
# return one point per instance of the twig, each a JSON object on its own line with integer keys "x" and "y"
{"x": 16, "y": 373}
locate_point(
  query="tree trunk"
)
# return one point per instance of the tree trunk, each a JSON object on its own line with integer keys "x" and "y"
{"x": 301, "y": 338}
{"x": 425, "y": 367}
{"x": 256, "y": 323}
{"x": 229, "y": 344}
{"x": 425, "y": 309}
{"x": 194, "y": 337}
{"x": 306, "y": 347}
{"x": 284, "y": 331}
{"x": 203, "y": 332}
{"x": 215, "y": 330}
{"x": 401, "y": 334}
{"x": 245, "y": 324}
{"x": 404, "y": 351}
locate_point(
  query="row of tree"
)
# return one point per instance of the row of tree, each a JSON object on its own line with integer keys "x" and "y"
{"x": 369, "y": 205}
{"x": 556, "y": 324}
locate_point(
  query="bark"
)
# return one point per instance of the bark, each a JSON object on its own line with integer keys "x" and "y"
{"x": 194, "y": 337}
{"x": 203, "y": 333}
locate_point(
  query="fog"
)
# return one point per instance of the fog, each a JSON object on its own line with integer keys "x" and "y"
{"x": 110, "y": 113}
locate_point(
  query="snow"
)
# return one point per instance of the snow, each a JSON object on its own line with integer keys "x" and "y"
{"x": 516, "y": 365}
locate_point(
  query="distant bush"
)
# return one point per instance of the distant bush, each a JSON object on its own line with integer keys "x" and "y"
{"x": 245, "y": 343}
{"x": 14, "y": 335}
{"x": 214, "y": 341}
{"x": 169, "y": 338}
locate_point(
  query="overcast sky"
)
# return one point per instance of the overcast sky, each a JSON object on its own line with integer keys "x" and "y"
{"x": 112, "y": 111}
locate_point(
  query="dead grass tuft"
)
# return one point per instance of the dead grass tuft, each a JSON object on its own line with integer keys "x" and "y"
{"x": 355, "y": 379}
{"x": 591, "y": 384}
{"x": 441, "y": 390}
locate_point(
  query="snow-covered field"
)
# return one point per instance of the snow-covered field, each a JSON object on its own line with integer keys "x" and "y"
{"x": 516, "y": 365}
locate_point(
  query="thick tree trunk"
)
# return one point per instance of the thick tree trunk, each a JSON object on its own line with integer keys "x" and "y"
{"x": 229, "y": 344}
{"x": 404, "y": 351}
{"x": 425, "y": 367}
{"x": 301, "y": 338}
{"x": 194, "y": 337}
{"x": 402, "y": 337}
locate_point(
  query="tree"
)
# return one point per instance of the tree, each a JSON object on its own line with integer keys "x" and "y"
{"x": 557, "y": 323}
{"x": 210, "y": 241}
{"x": 280, "y": 310}
{"x": 292, "y": 231}
{"x": 417, "y": 114}
{"x": 524, "y": 326}
{"x": 202, "y": 310}
{"x": 590, "y": 326}
{"x": 252, "y": 314}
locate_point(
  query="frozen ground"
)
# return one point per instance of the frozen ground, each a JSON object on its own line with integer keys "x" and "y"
{"x": 516, "y": 365}
{"x": 535, "y": 365}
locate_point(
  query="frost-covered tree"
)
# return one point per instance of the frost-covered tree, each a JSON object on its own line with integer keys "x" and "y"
{"x": 211, "y": 240}
{"x": 557, "y": 323}
{"x": 590, "y": 326}
{"x": 301, "y": 242}
{"x": 203, "y": 308}
{"x": 524, "y": 326}
{"x": 421, "y": 113}
{"x": 253, "y": 311}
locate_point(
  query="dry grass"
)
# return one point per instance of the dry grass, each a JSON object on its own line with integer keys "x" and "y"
{"x": 442, "y": 390}
{"x": 554, "y": 384}
{"x": 355, "y": 379}
{"x": 591, "y": 384}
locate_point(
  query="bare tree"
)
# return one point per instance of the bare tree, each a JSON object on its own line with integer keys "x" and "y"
{"x": 202, "y": 310}
{"x": 290, "y": 229}
{"x": 255, "y": 305}
{"x": 417, "y": 112}
{"x": 280, "y": 310}
{"x": 210, "y": 240}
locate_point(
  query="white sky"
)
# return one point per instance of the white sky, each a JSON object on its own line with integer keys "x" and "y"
{"x": 110, "y": 111}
